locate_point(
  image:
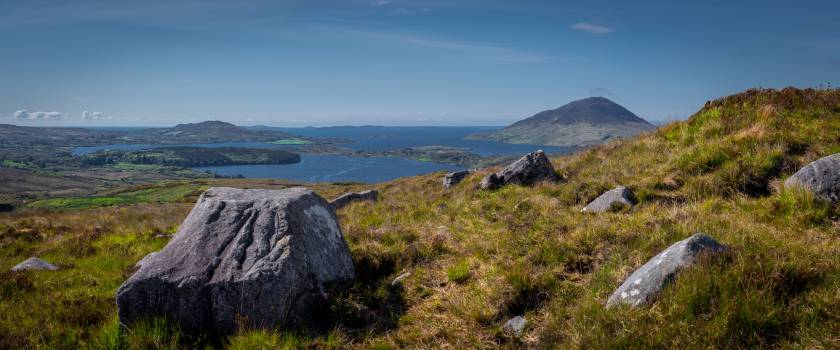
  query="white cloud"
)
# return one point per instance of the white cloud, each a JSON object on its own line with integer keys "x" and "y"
{"x": 405, "y": 11}
{"x": 381, "y": 2}
{"x": 39, "y": 115}
{"x": 95, "y": 116}
{"x": 479, "y": 51}
{"x": 592, "y": 28}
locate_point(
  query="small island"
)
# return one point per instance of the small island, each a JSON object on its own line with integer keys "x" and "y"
{"x": 192, "y": 156}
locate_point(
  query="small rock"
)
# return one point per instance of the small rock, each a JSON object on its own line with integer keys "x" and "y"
{"x": 646, "y": 282}
{"x": 822, "y": 177}
{"x": 242, "y": 258}
{"x": 164, "y": 235}
{"x": 452, "y": 179}
{"x": 515, "y": 325}
{"x": 528, "y": 170}
{"x": 347, "y": 198}
{"x": 618, "y": 197}
{"x": 400, "y": 278}
{"x": 34, "y": 264}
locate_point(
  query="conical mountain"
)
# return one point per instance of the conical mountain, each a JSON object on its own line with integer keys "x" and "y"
{"x": 583, "y": 122}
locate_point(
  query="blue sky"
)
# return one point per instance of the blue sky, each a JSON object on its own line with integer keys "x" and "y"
{"x": 392, "y": 62}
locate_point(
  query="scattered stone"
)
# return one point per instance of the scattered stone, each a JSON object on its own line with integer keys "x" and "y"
{"x": 34, "y": 263}
{"x": 822, "y": 177}
{"x": 347, "y": 198}
{"x": 645, "y": 283}
{"x": 528, "y": 170}
{"x": 452, "y": 179}
{"x": 515, "y": 325}
{"x": 249, "y": 258}
{"x": 6, "y": 207}
{"x": 611, "y": 200}
{"x": 398, "y": 280}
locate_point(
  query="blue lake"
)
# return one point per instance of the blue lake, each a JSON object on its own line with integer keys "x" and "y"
{"x": 331, "y": 168}
{"x": 328, "y": 168}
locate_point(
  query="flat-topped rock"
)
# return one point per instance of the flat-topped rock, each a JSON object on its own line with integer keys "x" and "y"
{"x": 34, "y": 263}
{"x": 822, "y": 177}
{"x": 647, "y": 282}
{"x": 528, "y": 170}
{"x": 614, "y": 199}
{"x": 253, "y": 258}
{"x": 453, "y": 178}
{"x": 347, "y": 198}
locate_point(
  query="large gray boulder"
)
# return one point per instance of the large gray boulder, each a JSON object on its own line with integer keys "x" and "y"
{"x": 822, "y": 177}
{"x": 347, "y": 198}
{"x": 645, "y": 284}
{"x": 613, "y": 199}
{"x": 34, "y": 264}
{"x": 532, "y": 168}
{"x": 453, "y": 178}
{"x": 256, "y": 258}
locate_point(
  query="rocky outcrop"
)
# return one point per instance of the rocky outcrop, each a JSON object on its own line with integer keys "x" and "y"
{"x": 452, "y": 179}
{"x": 619, "y": 197}
{"x": 34, "y": 264}
{"x": 255, "y": 258}
{"x": 347, "y": 198}
{"x": 822, "y": 177}
{"x": 645, "y": 284}
{"x": 528, "y": 170}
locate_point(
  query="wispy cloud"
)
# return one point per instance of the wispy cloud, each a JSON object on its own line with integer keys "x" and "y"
{"x": 95, "y": 116}
{"x": 39, "y": 115}
{"x": 381, "y": 3}
{"x": 592, "y": 28}
{"x": 405, "y": 11}
{"x": 479, "y": 51}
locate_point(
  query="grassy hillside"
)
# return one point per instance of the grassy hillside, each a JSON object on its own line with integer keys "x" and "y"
{"x": 478, "y": 258}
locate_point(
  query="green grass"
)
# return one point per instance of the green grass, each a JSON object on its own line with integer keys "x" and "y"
{"x": 478, "y": 258}
{"x": 291, "y": 141}
{"x": 161, "y": 193}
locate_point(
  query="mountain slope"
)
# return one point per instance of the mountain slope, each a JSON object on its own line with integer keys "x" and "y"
{"x": 478, "y": 258}
{"x": 580, "y": 123}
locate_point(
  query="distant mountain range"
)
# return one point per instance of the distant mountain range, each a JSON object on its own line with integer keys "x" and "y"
{"x": 580, "y": 123}
{"x": 203, "y": 132}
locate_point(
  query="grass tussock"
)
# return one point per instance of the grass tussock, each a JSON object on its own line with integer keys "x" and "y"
{"x": 478, "y": 258}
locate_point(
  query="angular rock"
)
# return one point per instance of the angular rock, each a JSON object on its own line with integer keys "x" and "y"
{"x": 347, "y": 198}
{"x": 618, "y": 197}
{"x": 256, "y": 258}
{"x": 528, "y": 170}
{"x": 822, "y": 177}
{"x": 645, "y": 283}
{"x": 34, "y": 264}
{"x": 515, "y": 325}
{"x": 452, "y": 179}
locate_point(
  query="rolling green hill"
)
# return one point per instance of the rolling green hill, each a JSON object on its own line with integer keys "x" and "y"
{"x": 477, "y": 258}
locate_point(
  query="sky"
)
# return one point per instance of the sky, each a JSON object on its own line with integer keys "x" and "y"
{"x": 396, "y": 62}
